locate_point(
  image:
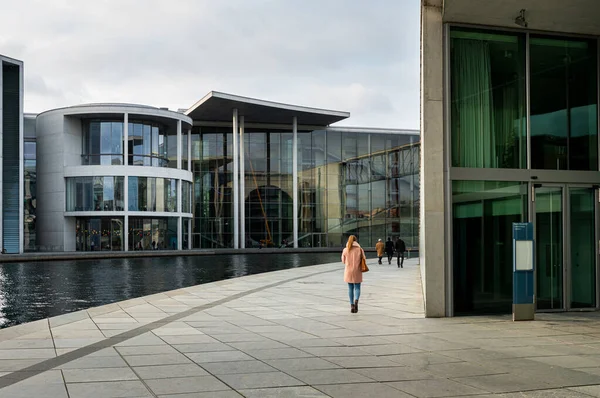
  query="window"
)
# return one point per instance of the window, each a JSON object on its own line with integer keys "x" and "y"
{"x": 563, "y": 104}
{"x": 102, "y": 142}
{"x": 488, "y": 106}
{"x": 95, "y": 193}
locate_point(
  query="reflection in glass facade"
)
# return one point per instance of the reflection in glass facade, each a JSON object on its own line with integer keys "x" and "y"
{"x": 564, "y": 132}
{"x": 152, "y": 144}
{"x": 488, "y": 99}
{"x": 99, "y": 234}
{"x": 95, "y": 193}
{"x": 152, "y": 194}
{"x": 102, "y": 142}
{"x": 186, "y": 197}
{"x": 488, "y": 129}
{"x": 349, "y": 182}
{"x": 30, "y": 195}
{"x": 152, "y": 233}
{"x": 483, "y": 213}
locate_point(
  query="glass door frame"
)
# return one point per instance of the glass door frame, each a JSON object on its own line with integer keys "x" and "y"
{"x": 566, "y": 239}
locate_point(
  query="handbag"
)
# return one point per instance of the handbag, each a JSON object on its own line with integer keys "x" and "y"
{"x": 363, "y": 264}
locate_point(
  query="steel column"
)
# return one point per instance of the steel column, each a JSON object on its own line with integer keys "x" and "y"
{"x": 295, "y": 178}
{"x": 236, "y": 193}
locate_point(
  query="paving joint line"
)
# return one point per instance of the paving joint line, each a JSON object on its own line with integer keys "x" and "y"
{"x": 45, "y": 365}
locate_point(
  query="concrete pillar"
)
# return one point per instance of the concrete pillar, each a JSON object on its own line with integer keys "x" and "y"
{"x": 179, "y": 143}
{"x": 179, "y": 233}
{"x": 242, "y": 187}
{"x": 125, "y": 236}
{"x": 295, "y": 178}
{"x": 179, "y": 210}
{"x": 236, "y": 193}
{"x": 126, "y": 139}
{"x": 189, "y": 147}
{"x": 433, "y": 173}
{"x": 126, "y": 213}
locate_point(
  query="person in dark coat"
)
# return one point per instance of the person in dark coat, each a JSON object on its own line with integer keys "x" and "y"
{"x": 389, "y": 249}
{"x": 400, "y": 249}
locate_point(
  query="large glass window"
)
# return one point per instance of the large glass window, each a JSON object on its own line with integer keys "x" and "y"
{"x": 483, "y": 213}
{"x": 152, "y": 233}
{"x": 30, "y": 194}
{"x": 564, "y": 101}
{"x": 95, "y": 193}
{"x": 152, "y": 194}
{"x": 488, "y": 109}
{"x": 186, "y": 199}
{"x": 102, "y": 142}
{"x": 152, "y": 144}
{"x": 99, "y": 234}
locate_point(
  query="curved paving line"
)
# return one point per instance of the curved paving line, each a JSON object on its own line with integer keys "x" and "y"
{"x": 40, "y": 367}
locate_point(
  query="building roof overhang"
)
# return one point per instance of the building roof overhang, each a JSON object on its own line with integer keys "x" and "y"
{"x": 560, "y": 16}
{"x": 219, "y": 107}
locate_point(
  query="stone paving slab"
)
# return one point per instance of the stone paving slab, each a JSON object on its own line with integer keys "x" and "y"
{"x": 291, "y": 334}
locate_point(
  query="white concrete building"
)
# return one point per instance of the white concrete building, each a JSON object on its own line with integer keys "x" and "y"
{"x": 113, "y": 177}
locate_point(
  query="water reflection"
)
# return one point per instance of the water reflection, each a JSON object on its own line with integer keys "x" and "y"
{"x": 37, "y": 290}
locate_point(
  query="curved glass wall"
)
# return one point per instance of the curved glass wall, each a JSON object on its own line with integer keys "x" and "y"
{"x": 348, "y": 183}
{"x": 152, "y": 144}
{"x": 186, "y": 197}
{"x": 152, "y": 194}
{"x": 102, "y": 142}
{"x": 99, "y": 234}
{"x": 95, "y": 194}
{"x": 152, "y": 233}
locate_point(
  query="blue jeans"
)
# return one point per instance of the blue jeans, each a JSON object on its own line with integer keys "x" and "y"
{"x": 353, "y": 291}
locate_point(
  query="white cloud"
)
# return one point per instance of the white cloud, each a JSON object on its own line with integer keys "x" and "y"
{"x": 351, "y": 55}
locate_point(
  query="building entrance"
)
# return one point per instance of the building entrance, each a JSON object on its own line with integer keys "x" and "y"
{"x": 565, "y": 225}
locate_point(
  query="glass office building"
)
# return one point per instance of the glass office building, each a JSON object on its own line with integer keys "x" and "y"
{"x": 229, "y": 173}
{"x": 350, "y": 181}
{"x": 520, "y": 145}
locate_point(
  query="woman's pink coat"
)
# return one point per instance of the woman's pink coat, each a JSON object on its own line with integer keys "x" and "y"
{"x": 352, "y": 259}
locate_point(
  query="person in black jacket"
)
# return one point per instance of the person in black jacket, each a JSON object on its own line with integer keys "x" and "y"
{"x": 400, "y": 249}
{"x": 389, "y": 249}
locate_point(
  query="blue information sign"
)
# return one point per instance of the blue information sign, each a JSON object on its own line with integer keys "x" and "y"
{"x": 523, "y": 271}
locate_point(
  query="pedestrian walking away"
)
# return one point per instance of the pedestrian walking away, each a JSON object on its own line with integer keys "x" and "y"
{"x": 380, "y": 246}
{"x": 389, "y": 249}
{"x": 400, "y": 249}
{"x": 352, "y": 256}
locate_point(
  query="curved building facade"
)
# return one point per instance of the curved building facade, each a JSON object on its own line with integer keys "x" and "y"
{"x": 113, "y": 177}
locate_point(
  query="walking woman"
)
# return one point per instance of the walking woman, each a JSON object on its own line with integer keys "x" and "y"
{"x": 352, "y": 258}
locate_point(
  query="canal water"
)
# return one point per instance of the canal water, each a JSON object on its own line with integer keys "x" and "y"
{"x": 37, "y": 290}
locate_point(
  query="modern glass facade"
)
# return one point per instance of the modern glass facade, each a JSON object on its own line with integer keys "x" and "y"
{"x": 29, "y": 181}
{"x": 349, "y": 182}
{"x": 99, "y": 234}
{"x": 527, "y": 103}
{"x": 152, "y": 194}
{"x": 95, "y": 193}
{"x": 152, "y": 144}
{"x": 152, "y": 233}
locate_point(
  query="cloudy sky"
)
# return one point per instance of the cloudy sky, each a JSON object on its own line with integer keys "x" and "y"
{"x": 360, "y": 56}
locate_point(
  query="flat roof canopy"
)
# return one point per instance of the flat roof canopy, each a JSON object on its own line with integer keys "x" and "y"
{"x": 218, "y": 107}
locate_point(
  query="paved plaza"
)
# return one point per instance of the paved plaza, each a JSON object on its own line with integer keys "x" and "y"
{"x": 291, "y": 334}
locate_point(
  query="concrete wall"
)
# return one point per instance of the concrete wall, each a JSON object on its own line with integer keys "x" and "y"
{"x": 432, "y": 232}
{"x": 50, "y": 181}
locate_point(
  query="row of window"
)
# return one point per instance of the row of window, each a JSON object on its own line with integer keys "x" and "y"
{"x": 149, "y": 144}
{"x": 107, "y": 194}
{"x": 488, "y": 93}
{"x": 106, "y": 233}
